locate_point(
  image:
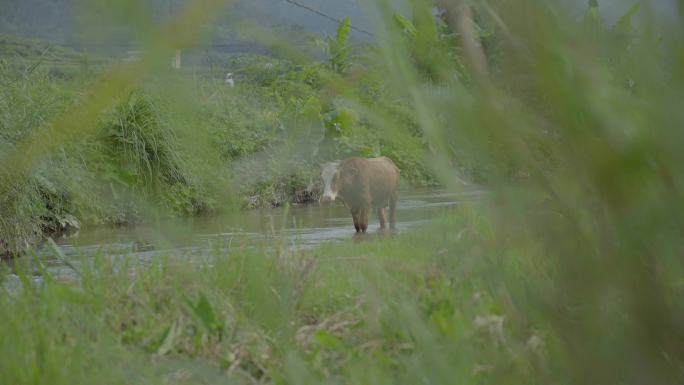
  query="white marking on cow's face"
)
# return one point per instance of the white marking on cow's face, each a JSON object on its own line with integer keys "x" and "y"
{"x": 329, "y": 171}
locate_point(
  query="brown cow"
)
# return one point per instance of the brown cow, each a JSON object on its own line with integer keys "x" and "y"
{"x": 363, "y": 184}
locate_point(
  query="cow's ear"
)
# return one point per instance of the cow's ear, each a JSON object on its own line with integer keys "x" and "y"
{"x": 350, "y": 171}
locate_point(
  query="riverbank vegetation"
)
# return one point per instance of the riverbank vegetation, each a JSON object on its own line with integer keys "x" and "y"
{"x": 569, "y": 271}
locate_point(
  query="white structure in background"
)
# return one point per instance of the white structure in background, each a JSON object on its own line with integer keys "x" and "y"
{"x": 229, "y": 79}
{"x": 133, "y": 56}
{"x": 176, "y": 62}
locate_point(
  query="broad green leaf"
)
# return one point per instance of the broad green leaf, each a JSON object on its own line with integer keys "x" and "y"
{"x": 405, "y": 24}
{"x": 203, "y": 313}
{"x": 168, "y": 338}
{"x": 343, "y": 32}
{"x": 625, "y": 23}
{"x": 328, "y": 340}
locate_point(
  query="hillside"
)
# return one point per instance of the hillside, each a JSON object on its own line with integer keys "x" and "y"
{"x": 59, "y": 21}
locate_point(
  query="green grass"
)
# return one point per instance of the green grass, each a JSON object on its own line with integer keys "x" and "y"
{"x": 458, "y": 299}
{"x": 387, "y": 310}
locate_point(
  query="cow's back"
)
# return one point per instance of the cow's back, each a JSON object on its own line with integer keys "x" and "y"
{"x": 381, "y": 176}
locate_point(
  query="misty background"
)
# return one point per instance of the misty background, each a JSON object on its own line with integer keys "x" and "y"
{"x": 95, "y": 26}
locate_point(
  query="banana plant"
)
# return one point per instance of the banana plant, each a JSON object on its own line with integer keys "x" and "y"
{"x": 338, "y": 49}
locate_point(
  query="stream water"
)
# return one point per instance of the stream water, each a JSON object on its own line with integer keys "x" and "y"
{"x": 298, "y": 226}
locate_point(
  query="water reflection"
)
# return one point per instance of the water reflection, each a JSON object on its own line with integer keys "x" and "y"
{"x": 303, "y": 225}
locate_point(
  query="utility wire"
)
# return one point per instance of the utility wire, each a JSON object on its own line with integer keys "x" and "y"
{"x": 319, "y": 13}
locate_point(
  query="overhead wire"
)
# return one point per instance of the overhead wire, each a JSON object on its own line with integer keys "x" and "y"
{"x": 331, "y": 18}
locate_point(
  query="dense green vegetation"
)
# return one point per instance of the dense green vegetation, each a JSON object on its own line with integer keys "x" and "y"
{"x": 568, "y": 271}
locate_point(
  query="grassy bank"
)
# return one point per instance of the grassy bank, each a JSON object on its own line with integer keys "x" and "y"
{"x": 430, "y": 306}
{"x": 386, "y": 310}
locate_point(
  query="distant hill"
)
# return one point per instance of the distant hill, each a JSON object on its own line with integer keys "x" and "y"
{"x": 611, "y": 10}
{"x": 24, "y": 48}
{"x": 60, "y": 61}
{"x": 81, "y": 24}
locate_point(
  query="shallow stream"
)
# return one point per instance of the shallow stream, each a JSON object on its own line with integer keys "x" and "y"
{"x": 296, "y": 226}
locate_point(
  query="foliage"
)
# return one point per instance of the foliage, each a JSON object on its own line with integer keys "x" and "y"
{"x": 572, "y": 136}
{"x": 30, "y": 203}
{"x": 144, "y": 149}
{"x": 337, "y": 48}
{"x": 93, "y": 181}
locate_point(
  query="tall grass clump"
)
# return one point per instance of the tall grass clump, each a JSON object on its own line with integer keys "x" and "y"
{"x": 146, "y": 149}
{"x": 573, "y": 125}
{"x": 144, "y": 156}
{"x": 132, "y": 164}
{"x": 28, "y": 100}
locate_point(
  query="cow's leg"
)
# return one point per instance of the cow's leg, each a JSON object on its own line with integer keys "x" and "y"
{"x": 393, "y": 210}
{"x": 363, "y": 219}
{"x": 355, "y": 217}
{"x": 382, "y": 216}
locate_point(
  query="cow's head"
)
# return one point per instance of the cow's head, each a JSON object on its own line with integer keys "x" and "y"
{"x": 330, "y": 177}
